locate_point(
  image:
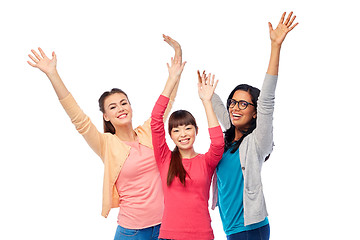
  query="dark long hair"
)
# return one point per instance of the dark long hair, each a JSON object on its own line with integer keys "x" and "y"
{"x": 176, "y": 168}
{"x": 108, "y": 127}
{"x": 230, "y": 133}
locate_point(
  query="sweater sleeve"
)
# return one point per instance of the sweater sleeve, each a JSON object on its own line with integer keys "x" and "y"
{"x": 220, "y": 111}
{"x": 161, "y": 149}
{"x": 264, "y": 124}
{"x": 216, "y": 150}
{"x": 83, "y": 124}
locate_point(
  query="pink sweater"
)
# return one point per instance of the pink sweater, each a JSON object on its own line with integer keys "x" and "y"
{"x": 186, "y": 214}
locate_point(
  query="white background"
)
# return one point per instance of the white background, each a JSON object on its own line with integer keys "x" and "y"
{"x": 51, "y": 181}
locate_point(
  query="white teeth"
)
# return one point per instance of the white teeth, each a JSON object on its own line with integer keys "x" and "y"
{"x": 122, "y": 116}
{"x": 236, "y": 115}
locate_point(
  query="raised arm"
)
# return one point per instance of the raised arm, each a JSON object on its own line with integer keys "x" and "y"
{"x": 266, "y": 102}
{"x": 175, "y": 70}
{"x": 219, "y": 108}
{"x": 277, "y": 37}
{"x": 81, "y": 121}
{"x": 178, "y": 55}
{"x": 48, "y": 66}
{"x": 206, "y": 90}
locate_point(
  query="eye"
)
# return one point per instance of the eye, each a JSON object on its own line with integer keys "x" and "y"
{"x": 112, "y": 107}
{"x": 124, "y": 103}
{"x": 243, "y": 103}
{"x": 175, "y": 130}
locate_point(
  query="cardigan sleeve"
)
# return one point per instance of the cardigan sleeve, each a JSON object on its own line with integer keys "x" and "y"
{"x": 221, "y": 111}
{"x": 161, "y": 149}
{"x": 83, "y": 124}
{"x": 216, "y": 150}
{"x": 264, "y": 123}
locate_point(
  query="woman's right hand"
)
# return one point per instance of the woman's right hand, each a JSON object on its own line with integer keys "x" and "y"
{"x": 175, "y": 45}
{"x": 46, "y": 65}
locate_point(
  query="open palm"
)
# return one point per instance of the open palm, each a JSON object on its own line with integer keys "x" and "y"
{"x": 278, "y": 35}
{"x": 43, "y": 62}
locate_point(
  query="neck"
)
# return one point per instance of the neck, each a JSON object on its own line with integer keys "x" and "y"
{"x": 126, "y": 133}
{"x": 238, "y": 134}
{"x": 188, "y": 153}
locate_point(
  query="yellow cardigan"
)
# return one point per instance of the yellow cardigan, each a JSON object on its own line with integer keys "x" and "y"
{"x": 108, "y": 147}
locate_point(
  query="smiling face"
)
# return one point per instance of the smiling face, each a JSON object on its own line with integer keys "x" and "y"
{"x": 241, "y": 118}
{"x": 117, "y": 109}
{"x": 184, "y": 136}
{"x": 183, "y": 130}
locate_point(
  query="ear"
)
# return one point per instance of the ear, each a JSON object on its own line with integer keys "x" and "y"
{"x": 255, "y": 114}
{"x": 197, "y": 130}
{"x": 105, "y": 117}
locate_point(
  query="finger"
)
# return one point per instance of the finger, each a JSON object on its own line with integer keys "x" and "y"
{"x": 31, "y": 64}
{"x": 288, "y": 18}
{"x": 183, "y": 65}
{"x": 216, "y": 83}
{"x": 203, "y": 80}
{"x": 208, "y": 79}
{"x": 36, "y": 54}
{"x": 167, "y": 64}
{"x": 199, "y": 76}
{"x": 34, "y": 59}
{"x": 282, "y": 18}
{"x": 42, "y": 53}
{"x": 292, "y": 20}
{"x": 293, "y": 27}
{"x": 212, "y": 80}
{"x": 53, "y": 56}
{"x": 270, "y": 27}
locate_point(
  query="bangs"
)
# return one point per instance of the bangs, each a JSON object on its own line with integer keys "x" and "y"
{"x": 181, "y": 118}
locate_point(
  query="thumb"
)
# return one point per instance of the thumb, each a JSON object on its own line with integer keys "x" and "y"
{"x": 270, "y": 27}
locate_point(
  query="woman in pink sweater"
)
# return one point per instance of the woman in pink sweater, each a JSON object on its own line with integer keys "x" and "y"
{"x": 131, "y": 177}
{"x": 185, "y": 174}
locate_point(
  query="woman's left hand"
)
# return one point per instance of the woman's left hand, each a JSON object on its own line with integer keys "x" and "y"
{"x": 175, "y": 68}
{"x": 278, "y": 35}
{"x": 206, "y": 86}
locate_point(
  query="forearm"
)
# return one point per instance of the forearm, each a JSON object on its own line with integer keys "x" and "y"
{"x": 170, "y": 88}
{"x": 210, "y": 114}
{"x": 58, "y": 85}
{"x": 273, "y": 68}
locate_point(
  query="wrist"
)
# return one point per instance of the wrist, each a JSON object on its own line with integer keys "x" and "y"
{"x": 275, "y": 46}
{"x": 206, "y": 101}
{"x": 52, "y": 73}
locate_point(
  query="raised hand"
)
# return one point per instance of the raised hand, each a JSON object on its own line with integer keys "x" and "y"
{"x": 42, "y": 62}
{"x": 206, "y": 86}
{"x": 176, "y": 68}
{"x": 278, "y": 35}
{"x": 175, "y": 45}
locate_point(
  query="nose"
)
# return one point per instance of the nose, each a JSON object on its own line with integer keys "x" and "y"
{"x": 182, "y": 133}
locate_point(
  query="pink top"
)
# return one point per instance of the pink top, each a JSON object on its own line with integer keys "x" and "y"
{"x": 186, "y": 214}
{"x": 139, "y": 187}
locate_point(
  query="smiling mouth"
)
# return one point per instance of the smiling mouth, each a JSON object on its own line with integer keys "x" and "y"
{"x": 236, "y": 116}
{"x": 121, "y": 116}
{"x": 184, "y": 141}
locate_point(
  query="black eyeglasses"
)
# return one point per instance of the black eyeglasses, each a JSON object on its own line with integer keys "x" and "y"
{"x": 242, "y": 104}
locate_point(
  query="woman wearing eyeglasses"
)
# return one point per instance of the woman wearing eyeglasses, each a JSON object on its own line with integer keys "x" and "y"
{"x": 248, "y": 120}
